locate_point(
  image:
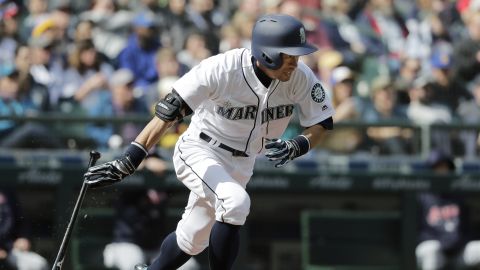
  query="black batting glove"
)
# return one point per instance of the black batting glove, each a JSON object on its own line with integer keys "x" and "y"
{"x": 114, "y": 171}
{"x": 109, "y": 173}
{"x": 286, "y": 150}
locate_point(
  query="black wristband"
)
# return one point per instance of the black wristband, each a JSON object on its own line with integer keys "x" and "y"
{"x": 302, "y": 145}
{"x": 136, "y": 153}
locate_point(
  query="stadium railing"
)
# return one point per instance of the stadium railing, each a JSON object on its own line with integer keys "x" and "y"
{"x": 362, "y": 171}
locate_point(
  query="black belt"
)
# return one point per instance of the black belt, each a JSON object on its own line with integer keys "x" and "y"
{"x": 235, "y": 152}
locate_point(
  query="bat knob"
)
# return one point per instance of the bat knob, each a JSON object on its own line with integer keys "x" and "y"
{"x": 95, "y": 155}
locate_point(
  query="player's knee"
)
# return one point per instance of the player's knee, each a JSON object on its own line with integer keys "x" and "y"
{"x": 190, "y": 246}
{"x": 471, "y": 254}
{"x": 429, "y": 254}
{"x": 233, "y": 204}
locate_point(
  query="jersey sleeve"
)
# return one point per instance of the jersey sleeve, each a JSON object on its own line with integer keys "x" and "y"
{"x": 313, "y": 102}
{"x": 200, "y": 83}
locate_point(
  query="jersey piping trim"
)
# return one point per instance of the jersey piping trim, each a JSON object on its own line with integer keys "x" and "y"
{"x": 268, "y": 99}
{"x": 258, "y": 102}
{"x": 201, "y": 179}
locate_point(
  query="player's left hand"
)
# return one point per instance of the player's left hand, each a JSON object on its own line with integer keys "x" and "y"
{"x": 278, "y": 149}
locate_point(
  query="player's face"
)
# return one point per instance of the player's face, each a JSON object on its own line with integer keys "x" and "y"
{"x": 283, "y": 74}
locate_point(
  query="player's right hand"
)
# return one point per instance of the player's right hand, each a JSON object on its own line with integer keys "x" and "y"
{"x": 109, "y": 173}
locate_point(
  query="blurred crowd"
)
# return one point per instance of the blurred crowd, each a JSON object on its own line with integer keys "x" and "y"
{"x": 413, "y": 61}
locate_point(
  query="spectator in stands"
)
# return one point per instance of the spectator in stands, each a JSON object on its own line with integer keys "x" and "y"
{"x": 169, "y": 69}
{"x": 8, "y": 35}
{"x": 195, "y": 50}
{"x": 177, "y": 24}
{"x": 328, "y": 60}
{"x": 423, "y": 110}
{"x": 341, "y": 31}
{"x": 244, "y": 17}
{"x": 139, "y": 54}
{"x": 88, "y": 72}
{"x": 37, "y": 12}
{"x": 64, "y": 20}
{"x": 140, "y": 224}
{"x": 420, "y": 25}
{"x": 207, "y": 20}
{"x": 469, "y": 113}
{"x": 410, "y": 68}
{"x": 12, "y": 103}
{"x": 83, "y": 31}
{"x": 47, "y": 67}
{"x": 467, "y": 50}
{"x": 230, "y": 38}
{"x": 430, "y": 24}
{"x": 28, "y": 88}
{"x": 384, "y": 32}
{"x": 448, "y": 15}
{"x": 446, "y": 89}
{"x": 348, "y": 107}
{"x": 243, "y": 25}
{"x": 111, "y": 26}
{"x": 119, "y": 101}
{"x": 444, "y": 232}
{"x": 153, "y": 6}
{"x": 384, "y": 108}
{"x": 253, "y": 8}
{"x": 15, "y": 246}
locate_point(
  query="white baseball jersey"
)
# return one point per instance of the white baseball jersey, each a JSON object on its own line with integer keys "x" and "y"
{"x": 232, "y": 106}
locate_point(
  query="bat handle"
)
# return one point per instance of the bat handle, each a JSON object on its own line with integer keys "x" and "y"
{"x": 94, "y": 156}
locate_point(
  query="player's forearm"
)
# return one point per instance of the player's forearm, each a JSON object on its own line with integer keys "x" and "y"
{"x": 114, "y": 171}
{"x": 314, "y": 135}
{"x": 153, "y": 131}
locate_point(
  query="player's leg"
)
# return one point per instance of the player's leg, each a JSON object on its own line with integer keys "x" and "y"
{"x": 429, "y": 255}
{"x": 217, "y": 226}
{"x": 122, "y": 255}
{"x": 227, "y": 204}
{"x": 190, "y": 237}
{"x": 28, "y": 260}
{"x": 470, "y": 256}
{"x": 232, "y": 207}
{"x": 224, "y": 245}
{"x": 208, "y": 175}
{"x": 170, "y": 256}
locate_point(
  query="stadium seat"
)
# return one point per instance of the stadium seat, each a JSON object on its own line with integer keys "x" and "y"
{"x": 351, "y": 240}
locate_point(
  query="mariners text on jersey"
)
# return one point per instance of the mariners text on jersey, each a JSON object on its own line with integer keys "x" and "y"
{"x": 249, "y": 112}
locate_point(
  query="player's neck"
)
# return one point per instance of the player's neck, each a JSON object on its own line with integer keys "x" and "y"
{"x": 262, "y": 76}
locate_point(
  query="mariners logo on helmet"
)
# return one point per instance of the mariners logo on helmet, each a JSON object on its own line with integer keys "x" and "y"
{"x": 302, "y": 35}
{"x": 318, "y": 94}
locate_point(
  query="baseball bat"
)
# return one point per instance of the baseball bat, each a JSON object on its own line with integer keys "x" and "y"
{"x": 57, "y": 265}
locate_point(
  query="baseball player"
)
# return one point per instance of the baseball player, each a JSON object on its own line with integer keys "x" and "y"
{"x": 241, "y": 101}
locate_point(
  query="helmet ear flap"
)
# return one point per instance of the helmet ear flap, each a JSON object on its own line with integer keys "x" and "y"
{"x": 271, "y": 62}
{"x": 267, "y": 59}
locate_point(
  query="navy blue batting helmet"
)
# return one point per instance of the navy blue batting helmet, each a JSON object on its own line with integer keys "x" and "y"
{"x": 274, "y": 34}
